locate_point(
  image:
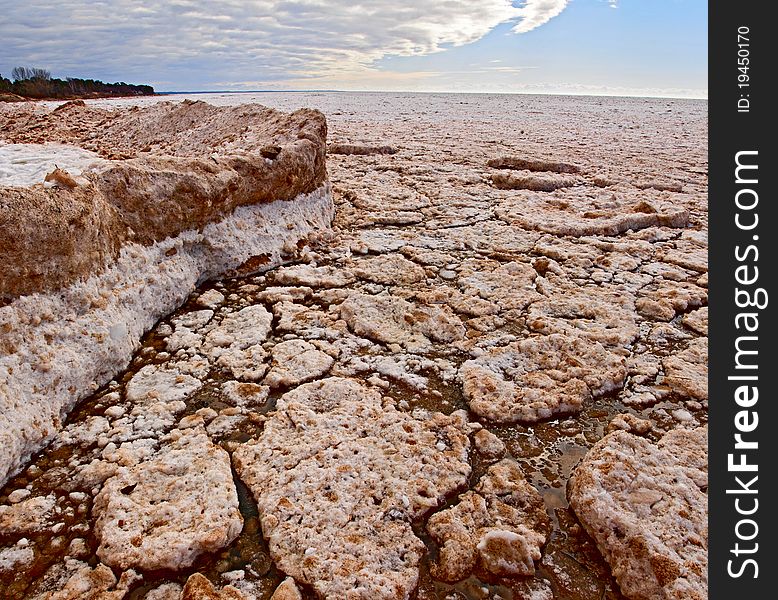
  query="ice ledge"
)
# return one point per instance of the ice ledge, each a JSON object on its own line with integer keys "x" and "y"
{"x": 58, "y": 347}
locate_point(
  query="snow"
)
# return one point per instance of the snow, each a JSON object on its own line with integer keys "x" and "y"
{"x": 23, "y": 165}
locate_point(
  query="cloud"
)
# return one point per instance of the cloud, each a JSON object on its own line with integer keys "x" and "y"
{"x": 535, "y": 13}
{"x": 198, "y": 43}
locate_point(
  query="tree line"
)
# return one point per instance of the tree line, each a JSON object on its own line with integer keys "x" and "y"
{"x": 38, "y": 83}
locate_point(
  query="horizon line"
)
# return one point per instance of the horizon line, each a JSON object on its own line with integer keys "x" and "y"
{"x": 514, "y": 93}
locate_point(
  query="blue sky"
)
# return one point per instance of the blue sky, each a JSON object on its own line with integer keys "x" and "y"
{"x": 631, "y": 47}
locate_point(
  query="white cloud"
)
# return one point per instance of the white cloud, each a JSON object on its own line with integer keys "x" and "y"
{"x": 535, "y": 13}
{"x": 266, "y": 41}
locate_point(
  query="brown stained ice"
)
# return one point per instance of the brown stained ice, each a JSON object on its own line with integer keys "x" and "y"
{"x": 390, "y": 269}
{"x": 392, "y": 320}
{"x": 500, "y": 526}
{"x": 601, "y": 314}
{"x": 663, "y": 301}
{"x": 90, "y": 584}
{"x": 539, "y": 377}
{"x": 509, "y": 286}
{"x": 294, "y": 362}
{"x": 340, "y": 474}
{"x": 630, "y": 423}
{"x": 518, "y": 164}
{"x": 27, "y": 516}
{"x": 359, "y": 149}
{"x": 533, "y": 182}
{"x": 199, "y": 588}
{"x": 337, "y": 381}
{"x": 152, "y": 516}
{"x": 183, "y": 166}
{"x": 697, "y": 320}
{"x": 287, "y": 591}
{"x": 687, "y": 371}
{"x": 488, "y": 444}
{"x": 580, "y": 216}
{"x": 234, "y": 344}
{"x": 646, "y": 505}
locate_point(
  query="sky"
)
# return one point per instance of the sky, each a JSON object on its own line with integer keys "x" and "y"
{"x": 609, "y": 47}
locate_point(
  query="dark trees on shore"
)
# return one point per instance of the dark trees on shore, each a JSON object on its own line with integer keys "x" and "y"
{"x": 38, "y": 83}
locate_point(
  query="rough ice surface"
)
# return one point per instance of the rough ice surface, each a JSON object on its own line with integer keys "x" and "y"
{"x": 150, "y": 516}
{"x": 539, "y": 377}
{"x": 67, "y": 329}
{"x": 539, "y": 260}
{"x": 500, "y": 526}
{"x": 339, "y": 475}
{"x": 23, "y": 165}
{"x": 646, "y": 507}
{"x": 53, "y": 366}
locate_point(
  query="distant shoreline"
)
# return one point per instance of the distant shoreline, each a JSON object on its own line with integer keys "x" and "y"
{"x": 37, "y": 84}
{"x": 11, "y": 98}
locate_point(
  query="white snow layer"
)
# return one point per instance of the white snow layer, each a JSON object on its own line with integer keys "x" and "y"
{"x": 23, "y": 165}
